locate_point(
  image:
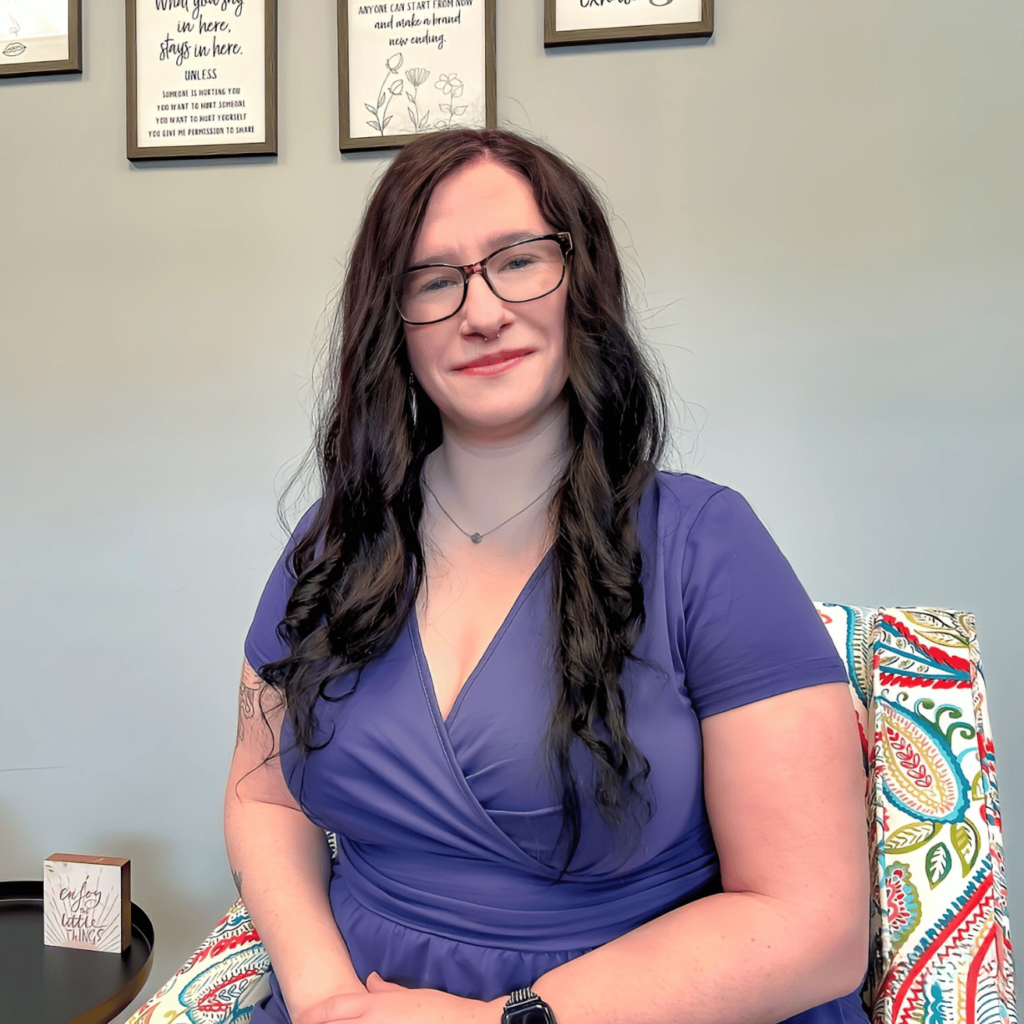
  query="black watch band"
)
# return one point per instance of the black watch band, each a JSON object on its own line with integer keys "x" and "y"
{"x": 524, "y": 1006}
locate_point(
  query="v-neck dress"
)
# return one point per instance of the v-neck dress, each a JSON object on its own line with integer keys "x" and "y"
{"x": 448, "y": 872}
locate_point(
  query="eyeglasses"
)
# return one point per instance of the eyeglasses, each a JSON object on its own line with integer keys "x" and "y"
{"x": 520, "y": 272}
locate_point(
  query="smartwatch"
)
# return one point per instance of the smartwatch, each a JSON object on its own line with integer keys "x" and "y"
{"x": 524, "y": 1006}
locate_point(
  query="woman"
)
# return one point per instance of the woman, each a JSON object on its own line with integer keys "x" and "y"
{"x": 576, "y": 724}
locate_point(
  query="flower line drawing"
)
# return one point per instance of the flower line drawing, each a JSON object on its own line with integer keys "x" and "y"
{"x": 387, "y": 93}
{"x": 416, "y": 77}
{"x": 451, "y": 85}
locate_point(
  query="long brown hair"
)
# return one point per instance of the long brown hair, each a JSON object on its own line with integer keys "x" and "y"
{"x": 359, "y": 566}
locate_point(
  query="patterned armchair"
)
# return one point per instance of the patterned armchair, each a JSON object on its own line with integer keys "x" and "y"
{"x": 941, "y": 950}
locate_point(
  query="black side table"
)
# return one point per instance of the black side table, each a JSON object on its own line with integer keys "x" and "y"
{"x": 52, "y": 985}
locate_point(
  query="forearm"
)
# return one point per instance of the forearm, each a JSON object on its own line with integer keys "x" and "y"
{"x": 282, "y": 864}
{"x": 735, "y": 958}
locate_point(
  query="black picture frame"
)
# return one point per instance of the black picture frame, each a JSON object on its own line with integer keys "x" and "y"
{"x": 397, "y": 83}
{"x": 209, "y": 113}
{"x": 641, "y": 31}
{"x": 41, "y": 53}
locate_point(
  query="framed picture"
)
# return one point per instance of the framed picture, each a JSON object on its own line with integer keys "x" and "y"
{"x": 573, "y": 22}
{"x": 40, "y": 37}
{"x": 413, "y": 67}
{"x": 202, "y": 78}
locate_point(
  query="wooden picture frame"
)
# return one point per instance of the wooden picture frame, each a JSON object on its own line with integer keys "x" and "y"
{"x": 202, "y": 80}
{"x": 36, "y": 40}
{"x": 575, "y": 22}
{"x": 427, "y": 64}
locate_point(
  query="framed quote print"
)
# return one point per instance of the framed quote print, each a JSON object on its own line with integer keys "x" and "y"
{"x": 40, "y": 37}
{"x": 410, "y": 67}
{"x": 202, "y": 78}
{"x": 574, "y": 22}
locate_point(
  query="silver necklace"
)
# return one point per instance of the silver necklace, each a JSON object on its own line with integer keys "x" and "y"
{"x": 476, "y": 538}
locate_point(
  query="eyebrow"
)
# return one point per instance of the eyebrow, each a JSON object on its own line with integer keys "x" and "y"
{"x": 496, "y": 242}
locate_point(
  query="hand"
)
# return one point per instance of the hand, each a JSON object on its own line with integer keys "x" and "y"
{"x": 387, "y": 1003}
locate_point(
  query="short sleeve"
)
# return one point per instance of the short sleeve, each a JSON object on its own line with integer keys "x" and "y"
{"x": 263, "y": 645}
{"x": 749, "y": 630}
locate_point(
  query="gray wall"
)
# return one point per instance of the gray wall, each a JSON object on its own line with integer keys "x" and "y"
{"x": 822, "y": 211}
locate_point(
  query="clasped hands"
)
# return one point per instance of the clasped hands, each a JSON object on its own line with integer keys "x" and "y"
{"x": 384, "y": 1002}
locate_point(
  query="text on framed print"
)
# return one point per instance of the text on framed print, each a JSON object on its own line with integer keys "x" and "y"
{"x": 571, "y": 22}
{"x": 202, "y": 78}
{"x": 410, "y": 67}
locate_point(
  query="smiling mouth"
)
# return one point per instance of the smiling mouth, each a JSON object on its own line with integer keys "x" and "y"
{"x": 494, "y": 361}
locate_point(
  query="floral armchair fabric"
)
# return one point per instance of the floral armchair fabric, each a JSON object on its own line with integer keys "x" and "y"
{"x": 941, "y": 950}
{"x": 940, "y": 934}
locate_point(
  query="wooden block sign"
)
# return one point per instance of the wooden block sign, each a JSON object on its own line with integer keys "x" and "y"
{"x": 87, "y": 902}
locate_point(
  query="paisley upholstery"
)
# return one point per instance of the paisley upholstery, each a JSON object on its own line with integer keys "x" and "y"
{"x": 940, "y": 934}
{"x": 941, "y": 950}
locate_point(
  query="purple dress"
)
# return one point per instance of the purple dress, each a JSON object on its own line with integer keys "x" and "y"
{"x": 447, "y": 875}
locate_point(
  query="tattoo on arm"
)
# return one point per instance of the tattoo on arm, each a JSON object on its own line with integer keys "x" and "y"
{"x": 246, "y": 707}
{"x": 256, "y": 700}
{"x": 246, "y": 701}
{"x": 237, "y": 876}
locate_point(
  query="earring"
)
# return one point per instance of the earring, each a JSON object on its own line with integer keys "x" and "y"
{"x": 412, "y": 398}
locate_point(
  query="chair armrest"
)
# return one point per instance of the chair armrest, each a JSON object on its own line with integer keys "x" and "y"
{"x": 221, "y": 981}
{"x": 939, "y": 927}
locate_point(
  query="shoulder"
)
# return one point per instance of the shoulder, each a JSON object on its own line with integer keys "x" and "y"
{"x": 306, "y": 521}
{"x": 308, "y": 525}
{"x": 744, "y": 627}
{"x": 263, "y": 643}
{"x": 676, "y": 505}
{"x": 701, "y": 535}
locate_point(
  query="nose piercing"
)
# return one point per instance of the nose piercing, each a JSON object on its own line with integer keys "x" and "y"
{"x": 498, "y": 335}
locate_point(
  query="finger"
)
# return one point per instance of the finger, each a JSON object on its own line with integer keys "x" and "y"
{"x": 376, "y": 984}
{"x": 323, "y": 1015}
{"x": 334, "y": 1009}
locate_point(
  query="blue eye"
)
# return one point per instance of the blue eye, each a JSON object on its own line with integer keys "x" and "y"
{"x": 431, "y": 281}
{"x": 519, "y": 262}
{"x": 438, "y": 284}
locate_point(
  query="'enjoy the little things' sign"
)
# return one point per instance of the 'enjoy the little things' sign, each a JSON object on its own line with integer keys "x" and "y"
{"x": 87, "y": 902}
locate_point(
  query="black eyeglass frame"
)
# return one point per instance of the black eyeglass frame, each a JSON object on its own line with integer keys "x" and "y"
{"x": 563, "y": 238}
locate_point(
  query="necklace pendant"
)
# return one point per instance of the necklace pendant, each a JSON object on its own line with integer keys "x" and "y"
{"x": 476, "y": 537}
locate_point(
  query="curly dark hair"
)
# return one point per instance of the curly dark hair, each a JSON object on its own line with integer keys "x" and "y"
{"x": 359, "y": 565}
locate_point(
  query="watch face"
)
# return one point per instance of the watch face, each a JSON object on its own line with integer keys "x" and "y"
{"x": 532, "y": 1015}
